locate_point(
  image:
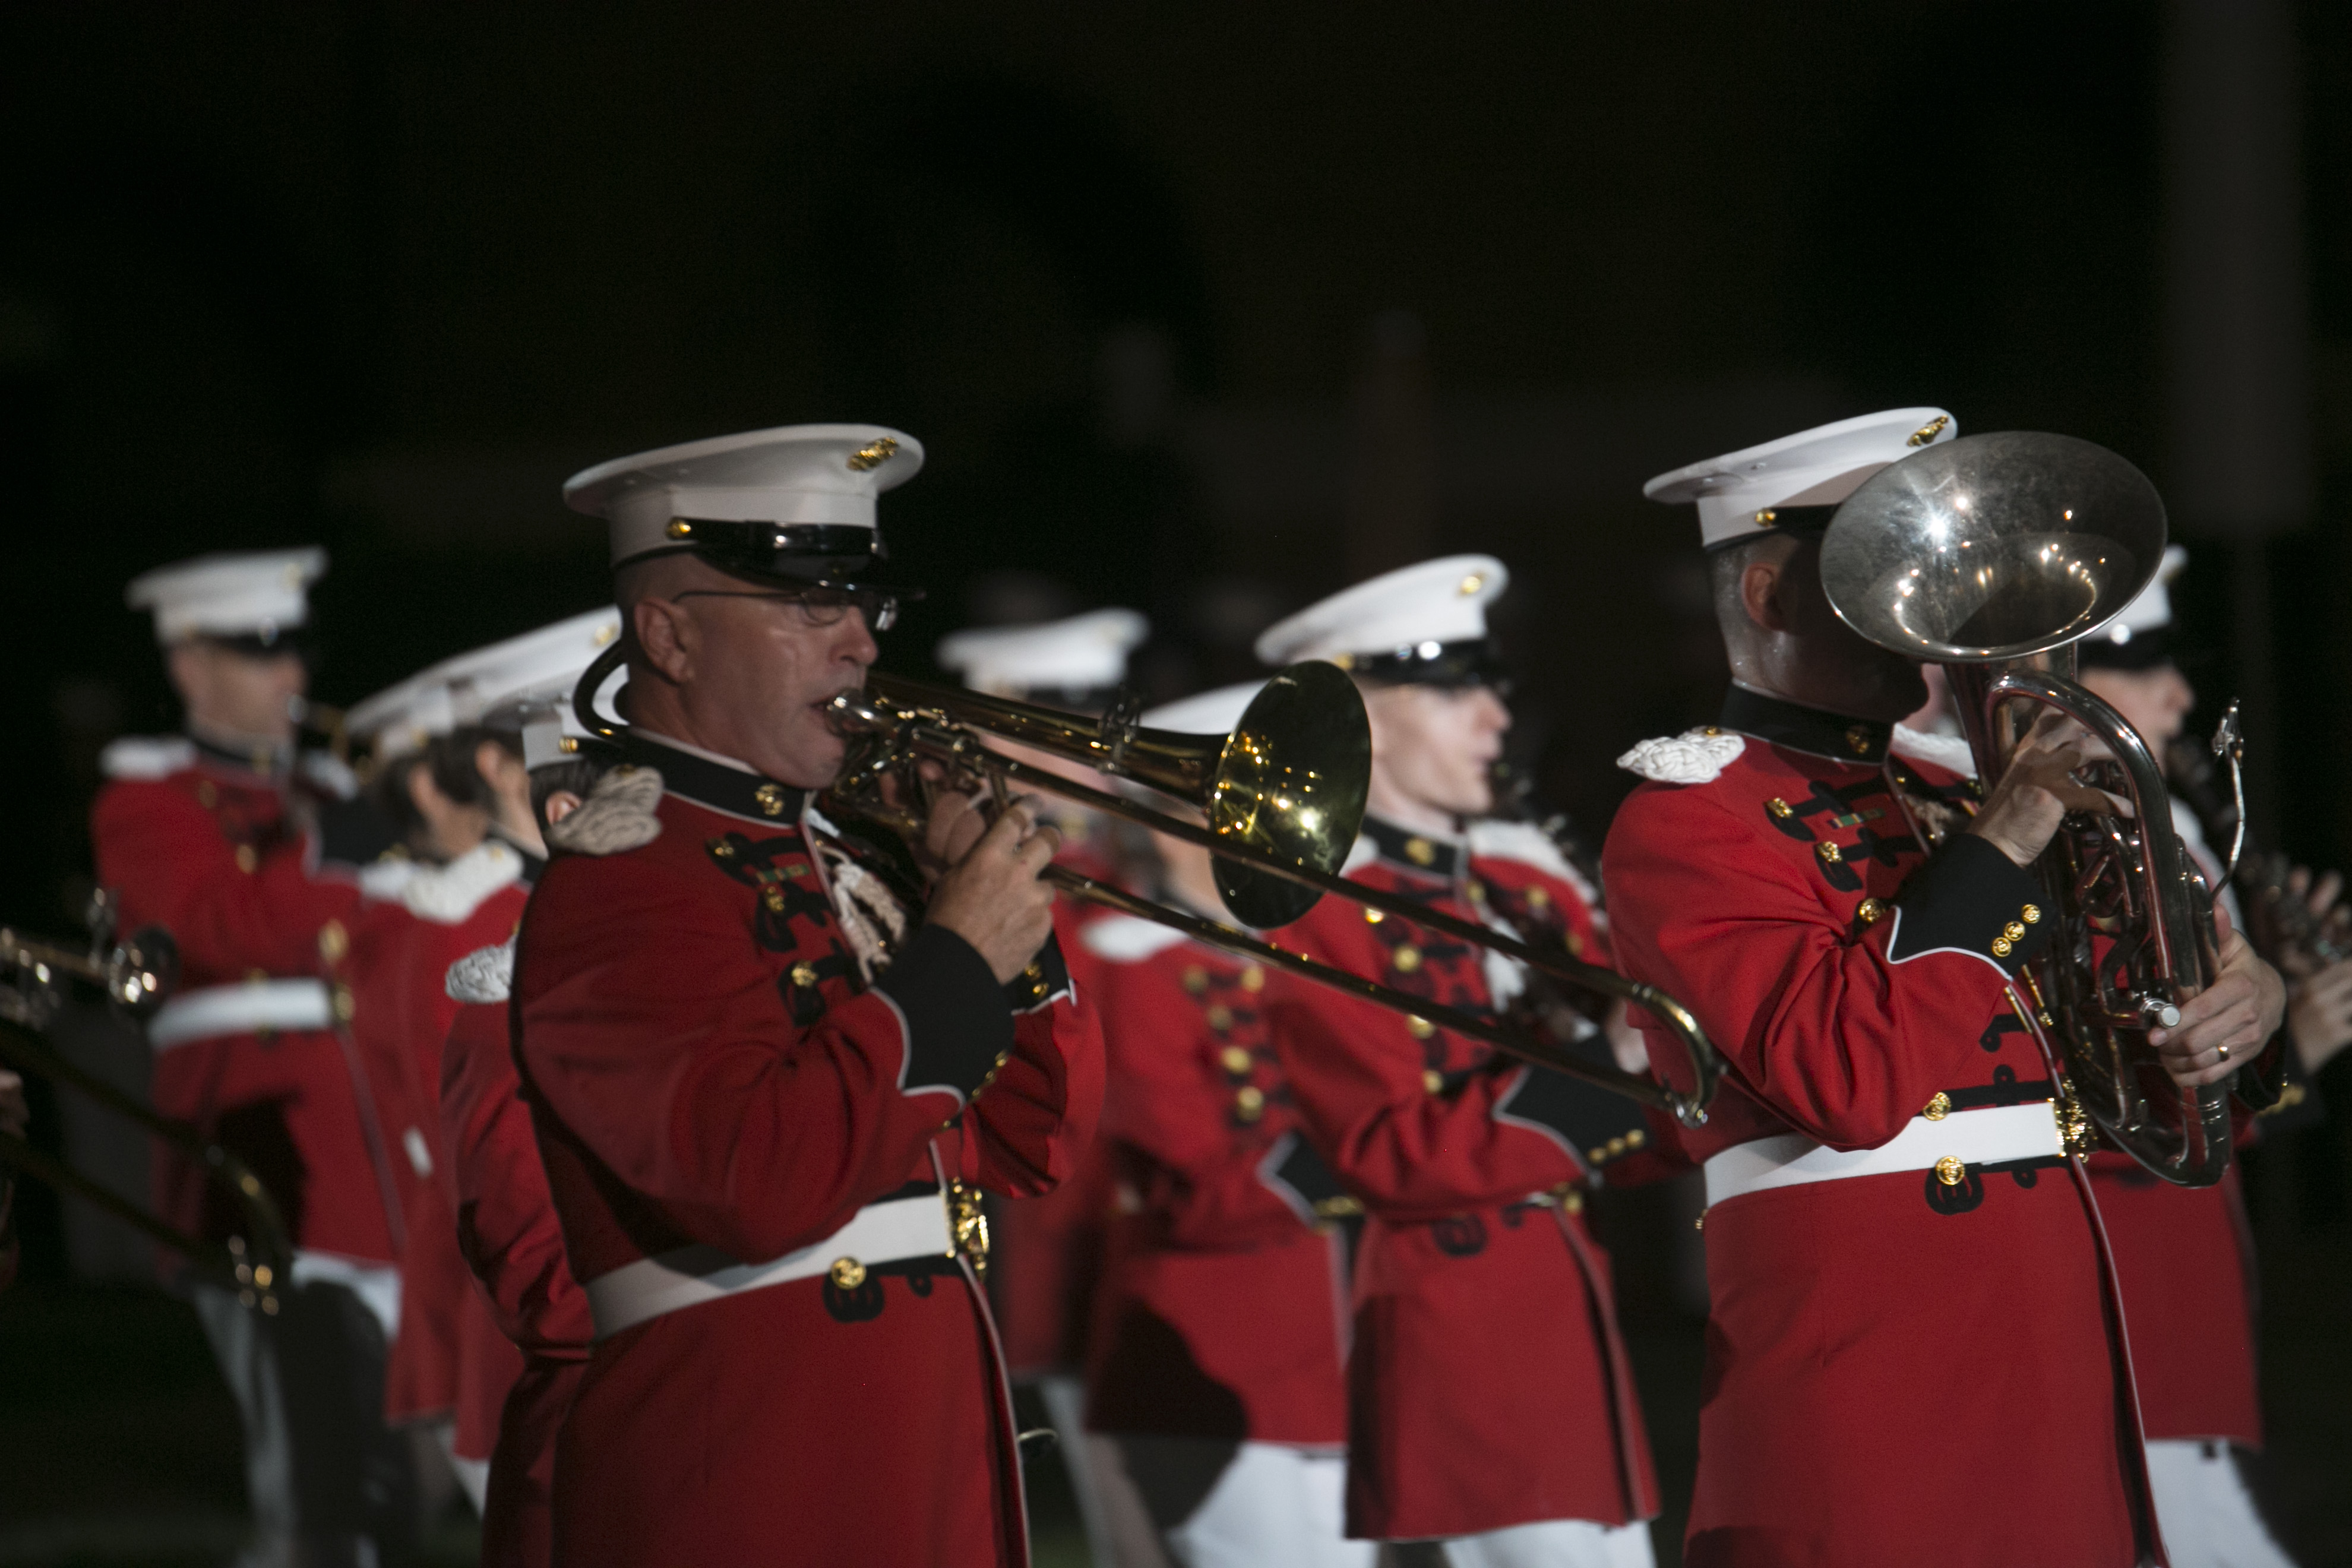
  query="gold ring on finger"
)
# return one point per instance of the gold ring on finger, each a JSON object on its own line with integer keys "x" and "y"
{"x": 2224, "y": 1052}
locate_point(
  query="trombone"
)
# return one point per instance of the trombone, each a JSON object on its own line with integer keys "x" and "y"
{"x": 135, "y": 975}
{"x": 1283, "y": 796}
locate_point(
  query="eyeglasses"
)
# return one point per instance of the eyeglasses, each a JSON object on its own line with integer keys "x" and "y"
{"x": 820, "y": 608}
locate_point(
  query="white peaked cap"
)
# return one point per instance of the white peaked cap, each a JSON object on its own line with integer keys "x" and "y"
{"x": 539, "y": 666}
{"x": 258, "y": 592}
{"x": 1078, "y": 654}
{"x": 1738, "y": 492}
{"x": 1206, "y": 712}
{"x": 1441, "y": 601}
{"x": 821, "y": 474}
{"x": 2153, "y": 607}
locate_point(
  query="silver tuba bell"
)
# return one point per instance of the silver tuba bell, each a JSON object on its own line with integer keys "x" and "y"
{"x": 1990, "y": 555}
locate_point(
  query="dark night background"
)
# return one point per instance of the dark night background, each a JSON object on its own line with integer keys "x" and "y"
{"x": 1205, "y": 309}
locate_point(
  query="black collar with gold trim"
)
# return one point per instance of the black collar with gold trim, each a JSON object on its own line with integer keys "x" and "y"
{"x": 1416, "y": 852}
{"x": 263, "y": 760}
{"x": 1861, "y": 741}
{"x": 735, "y": 791}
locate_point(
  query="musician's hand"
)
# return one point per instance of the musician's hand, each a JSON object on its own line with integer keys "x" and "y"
{"x": 2323, "y": 897}
{"x": 14, "y": 1114}
{"x": 956, "y": 824}
{"x": 991, "y": 894}
{"x": 1626, "y": 1043}
{"x": 2319, "y": 1014}
{"x": 2036, "y": 791}
{"x": 2223, "y": 1027}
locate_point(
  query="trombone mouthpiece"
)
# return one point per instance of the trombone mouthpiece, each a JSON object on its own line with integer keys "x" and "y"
{"x": 853, "y": 710}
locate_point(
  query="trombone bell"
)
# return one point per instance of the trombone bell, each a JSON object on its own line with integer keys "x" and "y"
{"x": 1289, "y": 784}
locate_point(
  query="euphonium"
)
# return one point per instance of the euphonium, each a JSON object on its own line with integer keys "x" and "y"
{"x": 1991, "y": 555}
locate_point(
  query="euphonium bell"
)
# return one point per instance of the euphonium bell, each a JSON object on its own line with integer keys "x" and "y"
{"x": 1993, "y": 556}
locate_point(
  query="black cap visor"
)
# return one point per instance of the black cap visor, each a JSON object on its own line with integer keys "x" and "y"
{"x": 264, "y": 642}
{"x": 1471, "y": 663}
{"x": 790, "y": 555}
{"x": 2141, "y": 650}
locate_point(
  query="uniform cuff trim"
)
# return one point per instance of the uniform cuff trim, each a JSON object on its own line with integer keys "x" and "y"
{"x": 1297, "y": 1174}
{"x": 958, "y": 1029}
{"x": 1045, "y": 982}
{"x": 1593, "y": 1125}
{"x": 1971, "y": 898}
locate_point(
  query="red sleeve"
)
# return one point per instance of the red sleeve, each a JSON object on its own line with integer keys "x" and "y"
{"x": 168, "y": 857}
{"x": 1357, "y": 1074}
{"x": 507, "y": 1226}
{"x": 654, "y": 1032}
{"x": 1027, "y": 1130}
{"x": 1844, "y": 1028}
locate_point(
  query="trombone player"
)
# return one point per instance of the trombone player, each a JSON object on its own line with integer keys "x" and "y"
{"x": 1910, "y": 1341}
{"x": 764, "y": 1085}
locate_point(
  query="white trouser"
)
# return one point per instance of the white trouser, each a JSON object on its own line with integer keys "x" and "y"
{"x": 473, "y": 1475}
{"x": 1272, "y": 1505}
{"x": 2203, "y": 1508}
{"x": 1554, "y": 1544}
{"x": 1065, "y": 1399}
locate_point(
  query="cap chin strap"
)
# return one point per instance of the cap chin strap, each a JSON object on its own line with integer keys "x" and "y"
{"x": 591, "y": 680}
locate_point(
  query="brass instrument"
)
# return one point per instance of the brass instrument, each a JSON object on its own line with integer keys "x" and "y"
{"x": 2280, "y": 924}
{"x": 135, "y": 975}
{"x": 1991, "y": 555}
{"x": 1283, "y": 796}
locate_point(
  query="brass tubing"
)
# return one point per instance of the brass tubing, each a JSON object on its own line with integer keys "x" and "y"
{"x": 265, "y": 1244}
{"x": 952, "y": 746}
{"x": 1511, "y": 1042}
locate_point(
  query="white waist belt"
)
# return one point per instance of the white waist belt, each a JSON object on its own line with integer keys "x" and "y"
{"x": 1986, "y": 1137}
{"x": 880, "y": 1233}
{"x": 241, "y": 1009}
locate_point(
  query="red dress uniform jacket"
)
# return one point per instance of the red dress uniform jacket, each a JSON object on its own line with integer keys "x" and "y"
{"x": 208, "y": 845}
{"x": 2184, "y": 1259}
{"x": 1045, "y": 1252}
{"x": 708, "y": 1067}
{"x": 2185, "y": 1262}
{"x": 401, "y": 1014}
{"x": 1224, "y": 1304}
{"x": 523, "y": 1342}
{"x": 1896, "y": 1366}
{"x": 1488, "y": 1384}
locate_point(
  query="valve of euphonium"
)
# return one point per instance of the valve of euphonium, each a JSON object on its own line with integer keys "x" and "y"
{"x": 1281, "y": 799}
{"x": 1993, "y": 556}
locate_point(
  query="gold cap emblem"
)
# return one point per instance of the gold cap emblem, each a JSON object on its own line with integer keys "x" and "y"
{"x": 873, "y": 455}
{"x": 1929, "y": 431}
